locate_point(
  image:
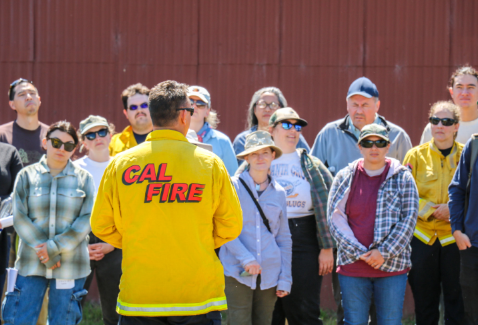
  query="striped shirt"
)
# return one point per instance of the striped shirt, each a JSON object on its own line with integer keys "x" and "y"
{"x": 53, "y": 210}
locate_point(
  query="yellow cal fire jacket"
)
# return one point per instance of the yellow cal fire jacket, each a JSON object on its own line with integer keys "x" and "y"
{"x": 122, "y": 141}
{"x": 433, "y": 173}
{"x": 168, "y": 204}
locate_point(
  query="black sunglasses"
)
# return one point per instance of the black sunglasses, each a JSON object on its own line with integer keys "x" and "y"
{"x": 135, "y": 107}
{"x": 189, "y": 109}
{"x": 57, "y": 143}
{"x": 92, "y": 135}
{"x": 16, "y": 82}
{"x": 288, "y": 126}
{"x": 444, "y": 121}
{"x": 199, "y": 103}
{"x": 378, "y": 143}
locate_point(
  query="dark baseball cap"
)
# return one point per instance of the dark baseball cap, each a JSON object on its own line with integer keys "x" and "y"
{"x": 363, "y": 87}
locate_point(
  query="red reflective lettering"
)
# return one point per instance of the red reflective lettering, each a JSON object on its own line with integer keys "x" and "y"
{"x": 162, "y": 174}
{"x": 165, "y": 192}
{"x": 178, "y": 192}
{"x": 195, "y": 189}
{"x": 152, "y": 190}
{"x": 127, "y": 179}
{"x": 148, "y": 173}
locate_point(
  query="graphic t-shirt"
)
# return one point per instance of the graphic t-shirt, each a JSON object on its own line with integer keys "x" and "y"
{"x": 28, "y": 143}
{"x": 287, "y": 171}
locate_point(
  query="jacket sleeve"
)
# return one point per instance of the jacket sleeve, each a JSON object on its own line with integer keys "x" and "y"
{"x": 106, "y": 220}
{"x": 426, "y": 135}
{"x": 457, "y": 190}
{"x": 319, "y": 149}
{"x": 284, "y": 241}
{"x": 227, "y": 216}
{"x": 339, "y": 226}
{"x": 79, "y": 229}
{"x": 240, "y": 252}
{"x": 15, "y": 166}
{"x": 238, "y": 145}
{"x": 229, "y": 158}
{"x": 403, "y": 146}
{"x": 401, "y": 235}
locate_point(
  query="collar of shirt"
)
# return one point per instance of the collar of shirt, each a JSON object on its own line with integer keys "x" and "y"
{"x": 204, "y": 132}
{"x": 356, "y": 131}
{"x": 166, "y": 135}
{"x": 68, "y": 170}
{"x": 252, "y": 185}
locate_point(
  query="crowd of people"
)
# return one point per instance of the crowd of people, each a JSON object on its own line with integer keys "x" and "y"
{"x": 179, "y": 223}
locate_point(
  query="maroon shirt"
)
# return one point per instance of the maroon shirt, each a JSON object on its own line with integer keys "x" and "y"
{"x": 360, "y": 210}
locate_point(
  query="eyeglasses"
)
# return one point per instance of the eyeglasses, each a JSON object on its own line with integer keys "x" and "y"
{"x": 57, "y": 143}
{"x": 378, "y": 143}
{"x": 199, "y": 103}
{"x": 189, "y": 109}
{"x": 135, "y": 107}
{"x": 444, "y": 121}
{"x": 288, "y": 126}
{"x": 92, "y": 135}
{"x": 262, "y": 105}
{"x": 16, "y": 82}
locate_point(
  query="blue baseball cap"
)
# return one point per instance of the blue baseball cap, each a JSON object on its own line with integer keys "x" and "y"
{"x": 363, "y": 87}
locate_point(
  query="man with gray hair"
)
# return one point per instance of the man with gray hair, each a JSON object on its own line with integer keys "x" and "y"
{"x": 336, "y": 145}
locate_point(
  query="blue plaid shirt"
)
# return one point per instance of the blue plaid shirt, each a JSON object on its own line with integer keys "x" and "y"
{"x": 53, "y": 210}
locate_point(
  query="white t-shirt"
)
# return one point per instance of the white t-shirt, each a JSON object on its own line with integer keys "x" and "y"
{"x": 464, "y": 132}
{"x": 96, "y": 169}
{"x": 288, "y": 173}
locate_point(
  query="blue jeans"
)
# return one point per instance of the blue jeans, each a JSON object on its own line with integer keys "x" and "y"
{"x": 388, "y": 293}
{"x": 23, "y": 305}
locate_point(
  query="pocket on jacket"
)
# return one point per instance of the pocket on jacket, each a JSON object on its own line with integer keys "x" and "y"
{"x": 38, "y": 198}
{"x": 70, "y": 200}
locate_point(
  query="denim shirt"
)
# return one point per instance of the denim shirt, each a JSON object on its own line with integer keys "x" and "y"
{"x": 221, "y": 146}
{"x": 273, "y": 251}
{"x": 56, "y": 211}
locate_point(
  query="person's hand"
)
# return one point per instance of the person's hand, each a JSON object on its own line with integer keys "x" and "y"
{"x": 326, "y": 261}
{"x": 253, "y": 268}
{"x": 57, "y": 265}
{"x": 462, "y": 240}
{"x": 281, "y": 293}
{"x": 373, "y": 258}
{"x": 442, "y": 212}
{"x": 42, "y": 253}
{"x": 98, "y": 251}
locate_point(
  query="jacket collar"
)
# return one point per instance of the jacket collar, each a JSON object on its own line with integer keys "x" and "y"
{"x": 128, "y": 136}
{"x": 69, "y": 169}
{"x": 450, "y": 159}
{"x": 345, "y": 124}
{"x": 166, "y": 135}
{"x": 250, "y": 182}
{"x": 395, "y": 167}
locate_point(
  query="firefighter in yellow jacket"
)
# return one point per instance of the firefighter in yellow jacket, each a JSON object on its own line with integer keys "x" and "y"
{"x": 435, "y": 255}
{"x": 168, "y": 204}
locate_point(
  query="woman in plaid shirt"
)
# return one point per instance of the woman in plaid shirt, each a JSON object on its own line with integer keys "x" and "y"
{"x": 372, "y": 212}
{"x": 52, "y": 203}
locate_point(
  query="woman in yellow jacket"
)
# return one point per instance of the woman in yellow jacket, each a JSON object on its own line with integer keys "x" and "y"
{"x": 435, "y": 255}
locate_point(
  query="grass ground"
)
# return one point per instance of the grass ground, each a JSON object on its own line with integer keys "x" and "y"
{"x": 92, "y": 316}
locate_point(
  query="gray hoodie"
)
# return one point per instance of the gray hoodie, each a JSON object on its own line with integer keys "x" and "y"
{"x": 336, "y": 146}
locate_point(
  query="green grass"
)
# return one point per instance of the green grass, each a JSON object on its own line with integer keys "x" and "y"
{"x": 92, "y": 316}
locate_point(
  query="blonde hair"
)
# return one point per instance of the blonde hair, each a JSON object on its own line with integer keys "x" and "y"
{"x": 212, "y": 119}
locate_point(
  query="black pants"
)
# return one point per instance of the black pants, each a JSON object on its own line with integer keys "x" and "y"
{"x": 435, "y": 267}
{"x": 469, "y": 283}
{"x": 212, "y": 318}
{"x": 302, "y": 306}
{"x": 108, "y": 275}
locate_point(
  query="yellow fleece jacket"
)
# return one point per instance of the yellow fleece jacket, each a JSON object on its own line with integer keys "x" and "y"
{"x": 168, "y": 204}
{"x": 122, "y": 141}
{"x": 433, "y": 173}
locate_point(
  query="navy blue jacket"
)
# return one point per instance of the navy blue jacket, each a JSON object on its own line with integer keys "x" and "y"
{"x": 456, "y": 191}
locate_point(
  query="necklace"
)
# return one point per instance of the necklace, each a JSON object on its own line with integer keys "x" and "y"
{"x": 258, "y": 185}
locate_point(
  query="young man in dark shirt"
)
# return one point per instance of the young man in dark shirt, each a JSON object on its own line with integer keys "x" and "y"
{"x": 26, "y": 132}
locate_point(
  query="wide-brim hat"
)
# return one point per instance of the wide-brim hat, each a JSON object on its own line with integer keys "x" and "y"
{"x": 286, "y": 113}
{"x": 259, "y": 140}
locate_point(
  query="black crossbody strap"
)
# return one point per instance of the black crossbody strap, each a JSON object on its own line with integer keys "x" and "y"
{"x": 264, "y": 219}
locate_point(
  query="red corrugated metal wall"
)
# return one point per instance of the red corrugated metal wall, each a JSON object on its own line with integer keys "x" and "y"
{"x": 82, "y": 54}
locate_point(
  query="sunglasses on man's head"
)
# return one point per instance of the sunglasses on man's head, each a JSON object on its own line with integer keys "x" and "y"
{"x": 92, "y": 135}
{"x": 57, "y": 143}
{"x": 378, "y": 143}
{"x": 199, "y": 103}
{"x": 444, "y": 121}
{"x": 288, "y": 126}
{"x": 189, "y": 109}
{"x": 135, "y": 107}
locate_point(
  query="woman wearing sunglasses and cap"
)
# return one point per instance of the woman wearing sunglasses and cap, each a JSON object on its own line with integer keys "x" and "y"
{"x": 95, "y": 133}
{"x": 435, "y": 253}
{"x": 372, "y": 213}
{"x": 52, "y": 203}
{"x": 306, "y": 182}
{"x": 257, "y": 264}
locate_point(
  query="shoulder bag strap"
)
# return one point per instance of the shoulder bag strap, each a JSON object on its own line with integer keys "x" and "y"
{"x": 264, "y": 219}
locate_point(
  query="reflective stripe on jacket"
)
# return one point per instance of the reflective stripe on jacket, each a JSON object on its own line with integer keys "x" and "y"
{"x": 433, "y": 174}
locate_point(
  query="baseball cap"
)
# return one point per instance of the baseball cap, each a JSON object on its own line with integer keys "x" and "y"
{"x": 193, "y": 139}
{"x": 259, "y": 140}
{"x": 92, "y": 121}
{"x": 363, "y": 87}
{"x": 286, "y": 113}
{"x": 200, "y": 92}
{"x": 374, "y": 130}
